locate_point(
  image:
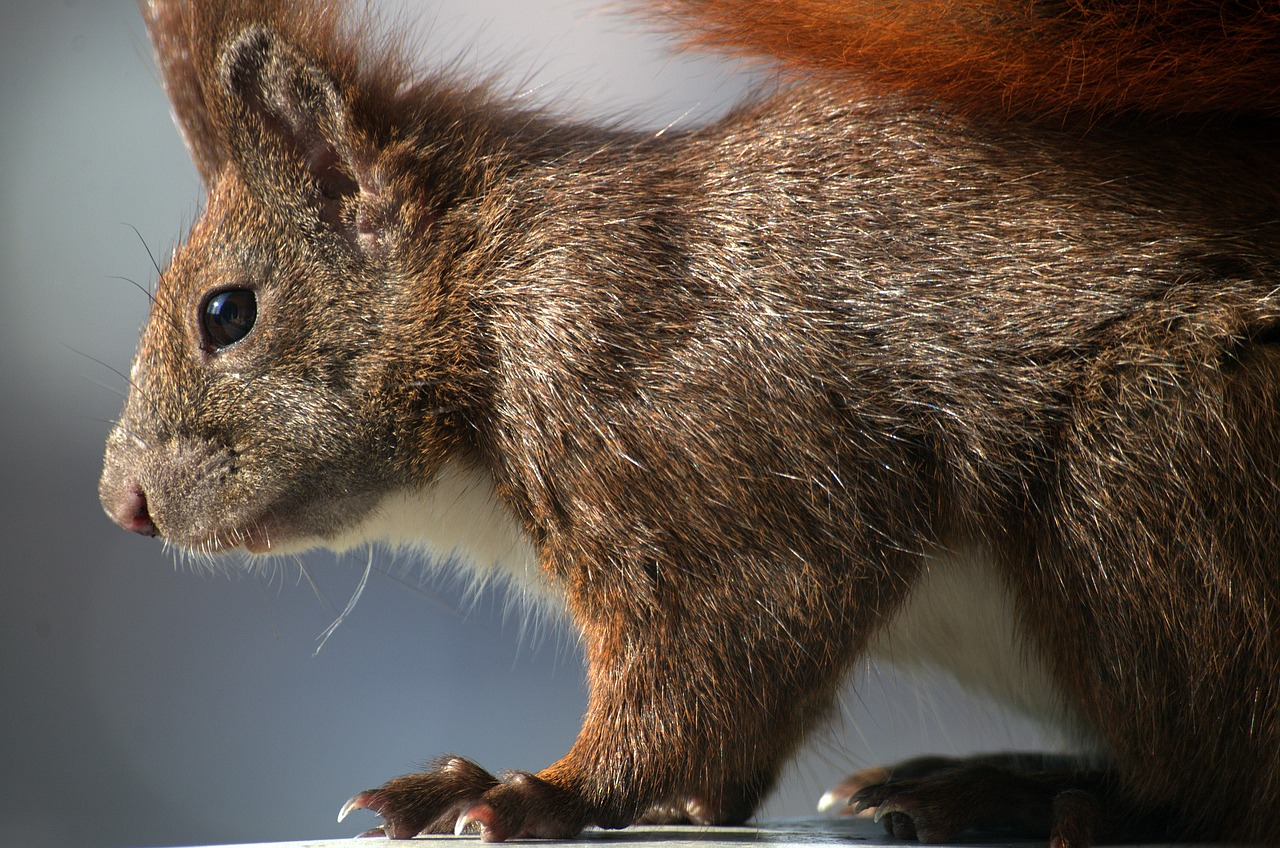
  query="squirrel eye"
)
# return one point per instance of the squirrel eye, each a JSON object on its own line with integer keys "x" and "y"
{"x": 228, "y": 316}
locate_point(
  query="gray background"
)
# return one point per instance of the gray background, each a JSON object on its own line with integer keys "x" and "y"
{"x": 144, "y": 704}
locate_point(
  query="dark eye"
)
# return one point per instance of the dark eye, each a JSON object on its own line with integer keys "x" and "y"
{"x": 228, "y": 316}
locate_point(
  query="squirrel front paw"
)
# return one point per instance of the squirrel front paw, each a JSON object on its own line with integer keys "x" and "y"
{"x": 458, "y": 795}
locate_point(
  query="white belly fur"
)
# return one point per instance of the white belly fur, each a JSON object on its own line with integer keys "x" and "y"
{"x": 458, "y": 520}
{"x": 961, "y": 620}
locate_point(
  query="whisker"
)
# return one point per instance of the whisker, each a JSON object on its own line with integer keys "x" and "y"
{"x": 102, "y": 385}
{"x": 123, "y": 376}
{"x": 173, "y": 322}
{"x": 111, "y": 368}
{"x": 325, "y": 603}
{"x": 108, "y": 421}
{"x": 137, "y": 285}
{"x": 264, "y": 586}
{"x": 146, "y": 247}
{"x": 364, "y": 580}
{"x": 421, "y": 587}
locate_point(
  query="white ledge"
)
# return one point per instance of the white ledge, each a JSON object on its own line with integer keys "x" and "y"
{"x": 783, "y": 834}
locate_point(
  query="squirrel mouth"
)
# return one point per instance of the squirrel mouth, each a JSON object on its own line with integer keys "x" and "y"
{"x": 257, "y": 544}
{"x": 263, "y": 535}
{"x": 268, "y": 533}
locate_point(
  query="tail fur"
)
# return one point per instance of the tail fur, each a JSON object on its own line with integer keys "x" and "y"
{"x": 1048, "y": 57}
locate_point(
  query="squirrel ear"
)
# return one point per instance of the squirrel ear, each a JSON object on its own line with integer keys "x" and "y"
{"x": 294, "y": 106}
{"x": 173, "y": 27}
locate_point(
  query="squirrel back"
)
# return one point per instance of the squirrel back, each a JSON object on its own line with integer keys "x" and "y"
{"x": 1060, "y": 58}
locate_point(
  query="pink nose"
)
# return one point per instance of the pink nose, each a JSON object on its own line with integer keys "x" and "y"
{"x": 128, "y": 507}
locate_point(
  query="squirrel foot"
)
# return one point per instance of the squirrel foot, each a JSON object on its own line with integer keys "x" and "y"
{"x": 837, "y": 800}
{"x": 937, "y": 806}
{"x": 1053, "y": 796}
{"x": 458, "y": 795}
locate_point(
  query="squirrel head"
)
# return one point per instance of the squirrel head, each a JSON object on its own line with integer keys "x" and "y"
{"x": 273, "y": 398}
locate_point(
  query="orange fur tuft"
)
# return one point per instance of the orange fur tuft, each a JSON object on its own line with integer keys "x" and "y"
{"x": 1063, "y": 57}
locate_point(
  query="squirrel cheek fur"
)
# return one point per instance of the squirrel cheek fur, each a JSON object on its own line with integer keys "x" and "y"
{"x": 743, "y": 399}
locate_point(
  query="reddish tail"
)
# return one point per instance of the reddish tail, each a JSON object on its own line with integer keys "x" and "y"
{"x": 1028, "y": 56}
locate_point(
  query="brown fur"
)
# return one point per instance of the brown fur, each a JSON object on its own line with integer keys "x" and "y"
{"x": 734, "y": 383}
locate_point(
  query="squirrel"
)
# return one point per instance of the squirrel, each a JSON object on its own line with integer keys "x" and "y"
{"x": 959, "y": 345}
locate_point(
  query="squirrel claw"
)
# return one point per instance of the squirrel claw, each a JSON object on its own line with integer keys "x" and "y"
{"x": 478, "y": 819}
{"x": 869, "y": 798}
{"x": 856, "y": 806}
{"x": 466, "y": 822}
{"x": 363, "y": 801}
{"x": 359, "y": 801}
